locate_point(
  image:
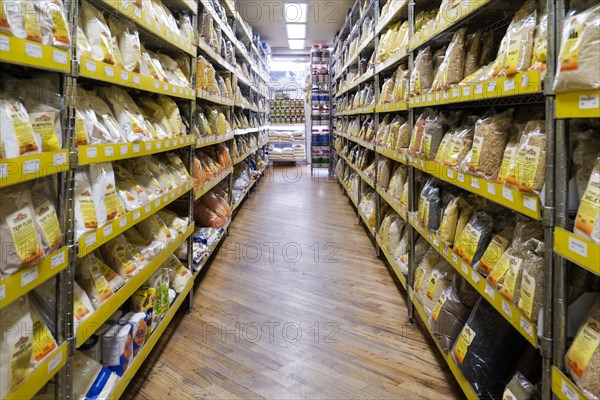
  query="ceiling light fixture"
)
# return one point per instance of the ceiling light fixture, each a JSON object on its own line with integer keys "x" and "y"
{"x": 294, "y": 12}
{"x": 296, "y": 44}
{"x": 296, "y": 31}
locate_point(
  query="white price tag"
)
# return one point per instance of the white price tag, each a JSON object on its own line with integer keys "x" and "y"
{"x": 175, "y": 142}
{"x": 59, "y": 159}
{"x": 436, "y": 242}
{"x": 467, "y": 91}
{"x": 90, "y": 240}
{"x": 136, "y": 148}
{"x": 450, "y": 173}
{"x": 57, "y": 260}
{"x": 174, "y": 89}
{"x": 148, "y": 20}
{"x": 490, "y": 291}
{"x": 530, "y": 202}
{"x": 158, "y": 25}
{"x": 156, "y": 84}
{"x": 169, "y": 34}
{"x": 59, "y": 56}
{"x": 461, "y": 177}
{"x": 4, "y": 46}
{"x": 509, "y": 84}
{"x": 455, "y": 92}
{"x": 445, "y": 94}
{"x": 589, "y": 101}
{"x": 478, "y": 88}
{"x": 124, "y": 150}
{"x": 124, "y": 75}
{"x": 464, "y": 269}
{"x": 33, "y": 50}
{"x": 506, "y": 308}
{"x": 107, "y": 231}
{"x": 437, "y": 96}
{"x": 172, "y": 195}
{"x": 136, "y": 79}
{"x": 429, "y": 97}
{"x": 423, "y": 98}
{"x": 454, "y": 258}
{"x": 137, "y": 12}
{"x": 109, "y": 151}
{"x": 30, "y": 276}
{"x": 567, "y": 391}
{"x": 109, "y": 71}
{"x": 524, "y": 80}
{"x": 148, "y": 146}
{"x": 158, "y": 145}
{"x": 507, "y": 194}
{"x": 578, "y": 247}
{"x": 166, "y": 87}
{"x": 491, "y": 86}
{"x": 180, "y": 91}
{"x": 91, "y": 152}
{"x": 474, "y": 275}
{"x": 2, "y": 292}
{"x": 475, "y": 183}
{"x": 157, "y": 203}
{"x": 526, "y": 326}
{"x": 31, "y": 166}
{"x": 445, "y": 251}
{"x": 491, "y": 188}
{"x": 147, "y": 208}
{"x": 136, "y": 215}
{"x": 167, "y": 143}
{"x": 55, "y": 362}
{"x": 90, "y": 65}
{"x": 3, "y": 171}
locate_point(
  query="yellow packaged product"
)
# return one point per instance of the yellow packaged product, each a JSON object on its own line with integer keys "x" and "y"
{"x": 97, "y": 33}
{"x": 18, "y": 137}
{"x": 46, "y": 218}
{"x": 474, "y": 238}
{"x": 43, "y": 341}
{"x": 494, "y": 251}
{"x": 53, "y": 23}
{"x": 90, "y": 276}
{"x": 118, "y": 256}
{"x": 527, "y": 169}
{"x": 587, "y": 221}
{"x": 128, "y": 41}
{"x": 19, "y": 19}
{"x": 172, "y": 113}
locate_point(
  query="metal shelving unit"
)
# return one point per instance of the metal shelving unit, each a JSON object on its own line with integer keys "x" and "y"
{"x": 320, "y": 104}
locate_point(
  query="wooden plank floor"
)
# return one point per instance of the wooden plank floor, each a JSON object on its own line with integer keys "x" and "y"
{"x": 295, "y": 306}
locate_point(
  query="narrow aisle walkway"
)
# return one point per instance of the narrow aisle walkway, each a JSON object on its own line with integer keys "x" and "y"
{"x": 296, "y": 306}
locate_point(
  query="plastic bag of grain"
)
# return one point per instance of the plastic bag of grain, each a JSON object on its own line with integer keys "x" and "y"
{"x": 171, "y": 111}
{"x": 432, "y": 209}
{"x": 434, "y": 284}
{"x": 494, "y": 251}
{"x": 438, "y": 59}
{"x": 417, "y": 133}
{"x": 474, "y": 238}
{"x": 129, "y": 117}
{"x": 91, "y": 379}
{"x": 448, "y": 317}
{"x": 452, "y": 69}
{"x": 489, "y": 141}
{"x": 540, "y": 40}
{"x": 401, "y": 85}
{"x": 587, "y": 221}
{"x": 384, "y": 167}
{"x": 583, "y": 357}
{"x": 43, "y": 341}
{"x": 128, "y": 42}
{"x": 459, "y": 146}
{"x": 579, "y": 52}
{"x": 472, "y": 53}
{"x": 46, "y": 218}
{"x": 486, "y": 349}
{"x": 531, "y": 296}
{"x": 527, "y": 169}
{"x": 387, "y": 91}
{"x": 447, "y": 228}
{"x": 397, "y": 182}
{"x": 160, "y": 282}
{"x": 519, "y": 388}
{"x": 422, "y": 75}
{"x": 118, "y": 256}
{"x": 433, "y": 132}
{"x": 16, "y": 347}
{"x": 428, "y": 262}
{"x": 97, "y": 32}
{"x": 17, "y": 135}
{"x": 179, "y": 275}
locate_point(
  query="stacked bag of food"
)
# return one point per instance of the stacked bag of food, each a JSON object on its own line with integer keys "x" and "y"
{"x": 215, "y": 83}
{"x": 395, "y": 88}
{"x": 209, "y": 163}
{"x": 211, "y": 122}
{"x": 392, "y": 42}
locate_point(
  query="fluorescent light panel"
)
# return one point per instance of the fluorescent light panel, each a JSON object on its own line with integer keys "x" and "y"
{"x": 296, "y": 31}
{"x": 294, "y": 12}
{"x": 296, "y": 44}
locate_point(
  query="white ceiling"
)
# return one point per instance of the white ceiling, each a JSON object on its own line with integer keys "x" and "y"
{"x": 324, "y": 19}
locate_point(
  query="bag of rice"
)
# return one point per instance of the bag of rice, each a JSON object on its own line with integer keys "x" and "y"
{"x": 489, "y": 141}
{"x": 579, "y": 52}
{"x": 583, "y": 357}
{"x": 118, "y": 256}
{"x": 16, "y": 347}
{"x": 97, "y": 32}
{"x": 474, "y": 238}
{"x": 43, "y": 341}
{"x": 587, "y": 221}
{"x": 472, "y": 53}
{"x": 91, "y": 379}
{"x": 17, "y": 135}
{"x": 459, "y": 146}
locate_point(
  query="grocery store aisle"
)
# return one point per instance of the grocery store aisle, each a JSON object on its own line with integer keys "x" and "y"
{"x": 295, "y": 306}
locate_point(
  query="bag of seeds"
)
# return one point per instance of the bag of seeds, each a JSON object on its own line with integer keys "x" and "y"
{"x": 474, "y": 238}
{"x": 489, "y": 141}
{"x": 448, "y": 317}
{"x": 527, "y": 169}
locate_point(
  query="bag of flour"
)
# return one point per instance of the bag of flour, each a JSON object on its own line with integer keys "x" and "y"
{"x": 17, "y": 135}
{"x": 117, "y": 348}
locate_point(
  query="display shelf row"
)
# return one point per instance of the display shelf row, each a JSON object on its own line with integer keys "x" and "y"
{"x": 28, "y": 278}
{"x": 92, "y": 240}
{"x": 101, "y": 71}
{"x": 354, "y": 60}
{"x": 507, "y": 309}
{"x": 27, "y": 53}
{"x": 362, "y": 175}
{"x": 462, "y": 382}
{"x": 392, "y": 202}
{"x": 41, "y": 375}
{"x": 361, "y": 110}
{"x": 393, "y": 14}
{"x": 347, "y": 190}
{"x": 582, "y": 252}
{"x": 393, "y": 60}
{"x": 130, "y": 9}
{"x": 395, "y": 155}
{"x": 201, "y": 191}
{"x": 211, "y": 250}
{"x": 239, "y": 132}
{"x": 523, "y": 83}
{"x": 215, "y": 99}
{"x": 367, "y": 76}
{"x": 564, "y": 388}
{"x": 392, "y": 107}
{"x": 391, "y": 260}
{"x": 581, "y": 104}
{"x": 214, "y": 139}
{"x": 526, "y": 204}
{"x": 26, "y": 168}
{"x": 106, "y": 152}
{"x": 363, "y": 143}
{"x": 144, "y": 352}
{"x": 237, "y": 160}
{"x": 86, "y": 329}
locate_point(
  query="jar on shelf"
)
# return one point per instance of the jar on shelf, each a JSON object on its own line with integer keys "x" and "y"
{"x": 315, "y": 54}
{"x": 325, "y": 54}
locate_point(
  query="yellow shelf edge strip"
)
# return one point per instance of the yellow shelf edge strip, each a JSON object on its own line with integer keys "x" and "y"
{"x": 86, "y": 329}
{"x": 92, "y": 240}
{"x": 28, "y": 278}
{"x": 40, "y": 375}
{"x": 212, "y": 183}
{"x": 505, "y": 308}
{"x": 222, "y": 100}
{"x": 563, "y": 387}
{"x": 579, "y": 104}
{"x": 391, "y": 261}
{"x": 215, "y": 139}
{"x": 398, "y": 156}
{"x": 106, "y": 152}
{"x": 14, "y": 50}
{"x": 392, "y": 107}
{"x": 33, "y": 166}
{"x": 582, "y": 252}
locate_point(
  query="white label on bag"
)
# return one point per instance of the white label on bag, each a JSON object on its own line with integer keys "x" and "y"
{"x": 475, "y": 183}
{"x": 507, "y": 194}
{"x": 59, "y": 159}
{"x": 588, "y": 101}
{"x": 567, "y": 391}
{"x": 478, "y": 88}
{"x": 509, "y": 84}
{"x": 2, "y": 292}
{"x": 4, "y": 46}
{"x": 57, "y": 260}
{"x": 33, "y": 50}
{"x": 124, "y": 150}
{"x": 491, "y": 86}
{"x": 92, "y": 152}
{"x": 109, "y": 151}
{"x": 55, "y": 362}
{"x": 526, "y": 326}
{"x": 59, "y": 57}
{"x": 90, "y": 65}
{"x": 490, "y": 291}
{"x": 124, "y": 75}
{"x": 491, "y": 189}
{"x": 109, "y": 71}
{"x": 90, "y": 240}
{"x": 30, "y": 276}
{"x": 31, "y": 166}
{"x": 506, "y": 308}
{"x": 578, "y": 247}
